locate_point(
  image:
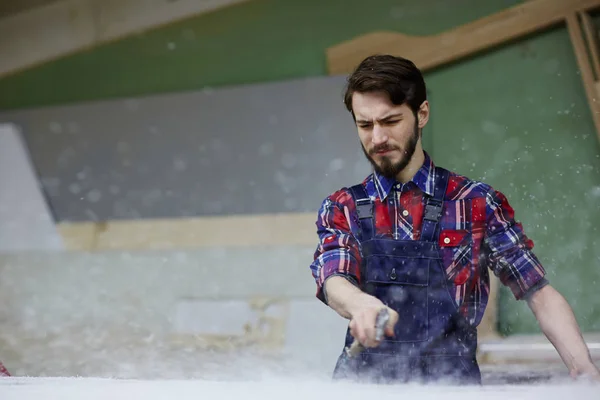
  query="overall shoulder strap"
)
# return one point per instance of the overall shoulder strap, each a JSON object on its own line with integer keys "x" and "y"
{"x": 433, "y": 206}
{"x": 364, "y": 212}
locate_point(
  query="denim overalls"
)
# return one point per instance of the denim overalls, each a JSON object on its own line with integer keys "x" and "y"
{"x": 433, "y": 341}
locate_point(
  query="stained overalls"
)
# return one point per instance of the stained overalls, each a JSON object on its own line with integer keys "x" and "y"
{"x": 433, "y": 341}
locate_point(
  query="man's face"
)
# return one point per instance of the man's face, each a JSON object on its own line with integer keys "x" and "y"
{"x": 389, "y": 134}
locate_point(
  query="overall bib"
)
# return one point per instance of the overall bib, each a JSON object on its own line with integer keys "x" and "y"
{"x": 433, "y": 341}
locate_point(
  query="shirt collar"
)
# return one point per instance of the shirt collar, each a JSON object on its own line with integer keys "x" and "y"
{"x": 424, "y": 179}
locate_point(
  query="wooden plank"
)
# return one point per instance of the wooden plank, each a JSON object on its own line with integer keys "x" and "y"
{"x": 190, "y": 233}
{"x": 587, "y": 75}
{"x": 591, "y": 36}
{"x": 79, "y": 236}
{"x": 433, "y": 51}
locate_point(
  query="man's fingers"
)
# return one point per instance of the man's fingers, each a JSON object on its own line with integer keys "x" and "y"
{"x": 352, "y": 326}
{"x": 363, "y": 332}
{"x": 371, "y": 330}
{"x": 389, "y": 327}
{"x": 389, "y": 331}
{"x": 363, "y": 328}
{"x": 358, "y": 332}
{"x": 370, "y": 335}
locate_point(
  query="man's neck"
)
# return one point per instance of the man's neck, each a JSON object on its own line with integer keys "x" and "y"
{"x": 413, "y": 166}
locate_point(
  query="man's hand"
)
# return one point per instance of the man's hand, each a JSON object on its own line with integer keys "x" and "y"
{"x": 362, "y": 323}
{"x": 360, "y": 308}
{"x": 558, "y": 323}
{"x": 587, "y": 372}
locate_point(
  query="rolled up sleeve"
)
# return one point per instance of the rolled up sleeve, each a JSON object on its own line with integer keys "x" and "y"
{"x": 510, "y": 254}
{"x": 337, "y": 252}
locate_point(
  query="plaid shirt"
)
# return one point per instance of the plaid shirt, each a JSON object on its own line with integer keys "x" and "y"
{"x": 3, "y": 370}
{"x": 478, "y": 230}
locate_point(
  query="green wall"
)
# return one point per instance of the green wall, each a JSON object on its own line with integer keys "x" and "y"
{"x": 516, "y": 117}
{"x": 258, "y": 41}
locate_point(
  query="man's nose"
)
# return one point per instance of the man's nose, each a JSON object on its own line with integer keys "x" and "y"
{"x": 379, "y": 135}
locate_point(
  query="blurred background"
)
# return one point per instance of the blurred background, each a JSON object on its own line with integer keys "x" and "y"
{"x": 162, "y": 163}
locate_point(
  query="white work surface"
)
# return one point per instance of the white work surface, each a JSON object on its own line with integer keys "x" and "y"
{"x": 276, "y": 389}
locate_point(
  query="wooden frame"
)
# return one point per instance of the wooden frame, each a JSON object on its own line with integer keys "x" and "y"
{"x": 588, "y": 68}
{"x": 433, "y": 51}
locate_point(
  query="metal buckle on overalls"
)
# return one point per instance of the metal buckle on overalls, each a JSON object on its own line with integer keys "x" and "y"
{"x": 364, "y": 208}
{"x": 433, "y": 211}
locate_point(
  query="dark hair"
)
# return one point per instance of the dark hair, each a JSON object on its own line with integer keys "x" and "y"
{"x": 397, "y": 76}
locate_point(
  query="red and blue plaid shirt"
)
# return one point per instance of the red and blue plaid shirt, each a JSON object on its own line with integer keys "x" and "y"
{"x": 478, "y": 231}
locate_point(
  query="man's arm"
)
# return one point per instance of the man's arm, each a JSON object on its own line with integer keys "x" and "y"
{"x": 509, "y": 250}
{"x": 512, "y": 260}
{"x": 337, "y": 254}
{"x": 557, "y": 321}
{"x": 343, "y": 296}
{"x": 336, "y": 269}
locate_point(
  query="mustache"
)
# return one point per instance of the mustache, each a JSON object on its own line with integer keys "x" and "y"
{"x": 382, "y": 147}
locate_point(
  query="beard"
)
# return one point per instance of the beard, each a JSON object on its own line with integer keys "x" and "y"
{"x": 387, "y": 168}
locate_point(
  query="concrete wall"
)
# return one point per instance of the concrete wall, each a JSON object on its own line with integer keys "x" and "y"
{"x": 169, "y": 314}
{"x": 265, "y": 148}
{"x": 25, "y": 220}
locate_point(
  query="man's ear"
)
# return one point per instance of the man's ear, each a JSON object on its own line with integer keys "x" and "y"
{"x": 423, "y": 114}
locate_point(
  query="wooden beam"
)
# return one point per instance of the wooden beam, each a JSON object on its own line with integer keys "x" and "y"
{"x": 433, "y": 51}
{"x": 585, "y": 67}
{"x": 591, "y": 36}
{"x": 191, "y": 233}
{"x": 80, "y": 236}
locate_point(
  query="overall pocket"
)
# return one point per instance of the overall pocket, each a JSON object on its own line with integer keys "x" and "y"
{"x": 402, "y": 284}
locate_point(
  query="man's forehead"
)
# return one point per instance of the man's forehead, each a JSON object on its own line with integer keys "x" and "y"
{"x": 375, "y": 106}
